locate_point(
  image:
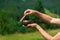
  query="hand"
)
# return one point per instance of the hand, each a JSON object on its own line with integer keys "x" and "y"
{"x": 29, "y": 11}
{"x": 32, "y": 25}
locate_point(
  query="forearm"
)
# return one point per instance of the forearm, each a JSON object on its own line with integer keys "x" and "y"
{"x": 43, "y": 16}
{"x": 43, "y": 33}
{"x": 47, "y": 18}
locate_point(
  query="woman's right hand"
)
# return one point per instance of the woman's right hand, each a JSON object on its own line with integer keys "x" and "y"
{"x": 26, "y": 13}
{"x": 29, "y": 11}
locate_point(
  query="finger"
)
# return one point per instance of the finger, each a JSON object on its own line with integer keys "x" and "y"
{"x": 30, "y": 25}
{"x": 27, "y": 11}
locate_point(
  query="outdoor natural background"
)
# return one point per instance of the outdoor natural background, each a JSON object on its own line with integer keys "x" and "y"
{"x": 11, "y": 12}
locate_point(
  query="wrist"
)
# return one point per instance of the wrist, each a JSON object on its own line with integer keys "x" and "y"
{"x": 36, "y": 12}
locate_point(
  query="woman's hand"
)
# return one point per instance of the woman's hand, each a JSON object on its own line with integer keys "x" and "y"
{"x": 29, "y": 11}
{"x": 26, "y": 13}
{"x": 32, "y": 25}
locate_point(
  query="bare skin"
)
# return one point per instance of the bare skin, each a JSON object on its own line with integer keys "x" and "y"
{"x": 44, "y": 33}
{"x": 46, "y": 18}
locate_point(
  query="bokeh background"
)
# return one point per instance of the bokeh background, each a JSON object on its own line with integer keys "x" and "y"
{"x": 11, "y": 12}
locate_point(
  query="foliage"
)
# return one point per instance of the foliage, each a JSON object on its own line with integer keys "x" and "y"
{"x": 28, "y": 36}
{"x": 12, "y": 10}
{"x": 7, "y": 24}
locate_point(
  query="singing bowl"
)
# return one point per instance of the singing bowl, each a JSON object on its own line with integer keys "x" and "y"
{"x": 26, "y": 22}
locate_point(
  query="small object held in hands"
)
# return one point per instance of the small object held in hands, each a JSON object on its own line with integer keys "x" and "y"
{"x": 26, "y": 22}
{"x": 22, "y": 18}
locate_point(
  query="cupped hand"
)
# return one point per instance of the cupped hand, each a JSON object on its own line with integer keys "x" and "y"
{"x": 32, "y": 25}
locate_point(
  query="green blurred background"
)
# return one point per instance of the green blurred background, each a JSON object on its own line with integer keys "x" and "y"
{"x": 12, "y": 10}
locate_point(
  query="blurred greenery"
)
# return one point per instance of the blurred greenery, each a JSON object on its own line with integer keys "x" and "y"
{"x": 12, "y": 10}
{"x": 27, "y": 36}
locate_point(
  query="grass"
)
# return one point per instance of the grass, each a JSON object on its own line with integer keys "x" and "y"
{"x": 27, "y": 36}
{"x": 19, "y": 36}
